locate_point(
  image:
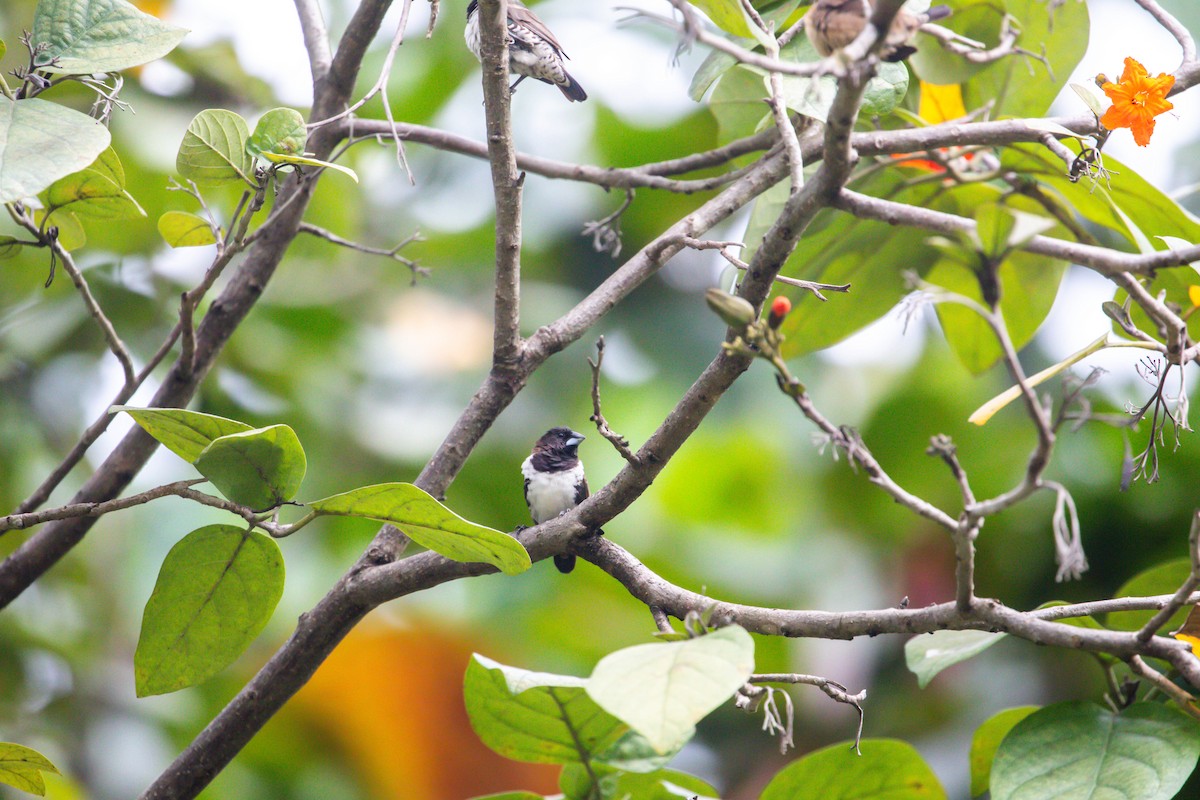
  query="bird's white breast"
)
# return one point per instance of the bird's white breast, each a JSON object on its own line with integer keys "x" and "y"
{"x": 550, "y": 493}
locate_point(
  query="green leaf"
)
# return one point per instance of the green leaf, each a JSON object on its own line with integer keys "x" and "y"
{"x": 91, "y": 193}
{"x": 736, "y": 103}
{"x": 41, "y": 142}
{"x": 662, "y": 690}
{"x": 108, "y": 164}
{"x": 214, "y": 149}
{"x": 1080, "y": 751}
{"x": 727, "y": 15}
{"x": 259, "y": 468}
{"x": 987, "y": 738}
{"x": 715, "y": 64}
{"x": 975, "y": 19}
{"x": 280, "y": 131}
{"x": 22, "y": 767}
{"x": 832, "y": 251}
{"x": 576, "y": 782}
{"x": 1029, "y": 284}
{"x": 89, "y": 36}
{"x": 1008, "y": 84}
{"x": 1089, "y": 99}
{"x": 536, "y": 716}
{"x": 430, "y": 524}
{"x": 1165, "y": 578}
{"x": 181, "y": 229}
{"x": 929, "y": 653}
{"x": 887, "y": 768}
{"x": 216, "y": 590}
{"x": 185, "y": 433}
{"x": 664, "y": 784}
{"x": 305, "y": 161}
{"x": 813, "y": 97}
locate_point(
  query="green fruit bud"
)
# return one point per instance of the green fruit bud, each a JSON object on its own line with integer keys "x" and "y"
{"x": 735, "y": 311}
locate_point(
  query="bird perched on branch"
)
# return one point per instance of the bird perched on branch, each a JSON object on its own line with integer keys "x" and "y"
{"x": 554, "y": 480}
{"x": 833, "y": 24}
{"x": 533, "y": 52}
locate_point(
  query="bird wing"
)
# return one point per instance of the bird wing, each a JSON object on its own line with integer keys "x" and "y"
{"x": 581, "y": 491}
{"x": 526, "y": 18}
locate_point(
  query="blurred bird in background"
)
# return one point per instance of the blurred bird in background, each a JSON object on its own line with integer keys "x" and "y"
{"x": 833, "y": 24}
{"x": 533, "y": 52}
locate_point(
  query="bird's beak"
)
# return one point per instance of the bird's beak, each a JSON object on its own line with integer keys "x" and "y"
{"x": 575, "y": 439}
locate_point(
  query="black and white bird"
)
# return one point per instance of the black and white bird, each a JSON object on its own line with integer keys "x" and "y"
{"x": 554, "y": 481}
{"x": 832, "y": 24}
{"x": 533, "y": 52}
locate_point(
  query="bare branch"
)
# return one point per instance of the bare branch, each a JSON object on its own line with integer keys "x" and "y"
{"x": 1107, "y": 262}
{"x": 1178, "y": 30}
{"x": 617, "y": 440}
{"x": 28, "y": 520}
{"x": 316, "y": 38}
{"x": 392, "y": 253}
{"x": 506, "y": 182}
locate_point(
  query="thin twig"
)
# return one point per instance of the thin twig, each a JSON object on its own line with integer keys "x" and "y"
{"x": 1180, "y": 598}
{"x": 617, "y": 440}
{"x": 392, "y": 253}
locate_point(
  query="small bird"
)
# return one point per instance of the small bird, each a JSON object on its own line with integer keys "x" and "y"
{"x": 533, "y": 52}
{"x": 833, "y": 24}
{"x": 554, "y": 480}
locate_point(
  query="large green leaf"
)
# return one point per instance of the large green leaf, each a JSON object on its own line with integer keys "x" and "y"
{"x": 1007, "y": 83}
{"x": 259, "y": 468}
{"x": 1029, "y": 283}
{"x": 886, "y": 770}
{"x": 1080, "y": 751}
{"x": 985, "y": 741}
{"x": 1165, "y": 578}
{"x": 871, "y": 256}
{"x": 216, "y": 590}
{"x": 976, "y": 19}
{"x": 41, "y": 142}
{"x": 214, "y": 149}
{"x": 536, "y": 716}
{"x": 929, "y": 653}
{"x": 812, "y": 97}
{"x": 22, "y": 767}
{"x": 88, "y": 36}
{"x": 430, "y": 524}
{"x": 185, "y": 433}
{"x": 736, "y": 103}
{"x": 662, "y": 690}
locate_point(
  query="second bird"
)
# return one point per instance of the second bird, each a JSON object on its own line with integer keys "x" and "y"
{"x": 533, "y": 52}
{"x": 833, "y": 24}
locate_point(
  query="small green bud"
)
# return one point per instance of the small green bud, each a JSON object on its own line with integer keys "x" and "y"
{"x": 735, "y": 311}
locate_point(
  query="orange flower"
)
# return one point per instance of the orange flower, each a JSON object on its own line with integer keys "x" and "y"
{"x": 1137, "y": 100}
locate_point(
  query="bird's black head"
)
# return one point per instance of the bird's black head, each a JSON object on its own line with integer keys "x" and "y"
{"x": 559, "y": 441}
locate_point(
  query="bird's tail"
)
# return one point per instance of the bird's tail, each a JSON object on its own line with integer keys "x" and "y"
{"x": 936, "y": 13}
{"x": 565, "y": 562}
{"x": 575, "y": 93}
